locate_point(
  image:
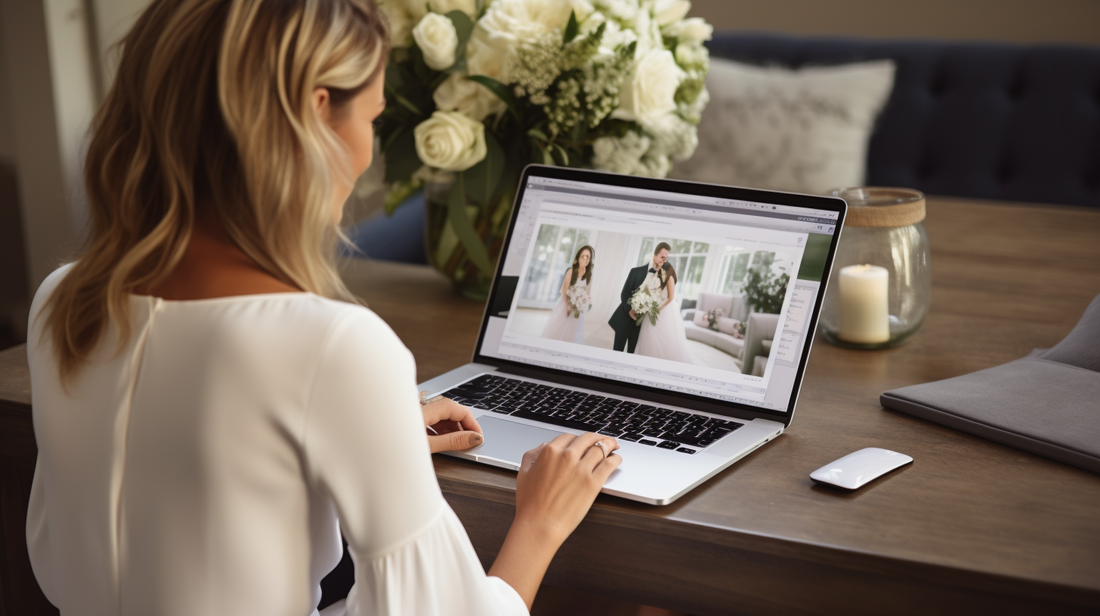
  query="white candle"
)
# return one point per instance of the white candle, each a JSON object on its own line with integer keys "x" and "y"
{"x": 864, "y": 304}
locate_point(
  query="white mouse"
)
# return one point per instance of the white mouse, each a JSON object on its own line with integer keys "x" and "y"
{"x": 857, "y": 468}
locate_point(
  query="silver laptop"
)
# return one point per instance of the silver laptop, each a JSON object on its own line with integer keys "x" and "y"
{"x": 712, "y": 378}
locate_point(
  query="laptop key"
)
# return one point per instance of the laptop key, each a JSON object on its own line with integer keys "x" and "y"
{"x": 686, "y": 450}
{"x": 647, "y": 442}
{"x": 557, "y": 421}
{"x": 669, "y": 445}
{"x": 630, "y": 437}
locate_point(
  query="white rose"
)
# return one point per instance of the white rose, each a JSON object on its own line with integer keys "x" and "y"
{"x": 457, "y": 93}
{"x": 519, "y": 21}
{"x": 647, "y": 92}
{"x": 691, "y": 31}
{"x": 450, "y": 141}
{"x": 485, "y": 56}
{"x": 437, "y": 38}
{"x": 669, "y": 11}
{"x": 401, "y": 22}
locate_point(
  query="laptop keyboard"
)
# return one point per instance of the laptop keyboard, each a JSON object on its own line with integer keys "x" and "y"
{"x": 629, "y": 421}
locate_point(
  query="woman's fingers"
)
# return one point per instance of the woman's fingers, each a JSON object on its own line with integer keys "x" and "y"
{"x": 454, "y": 441}
{"x": 607, "y": 466}
{"x": 600, "y": 449}
{"x": 445, "y": 409}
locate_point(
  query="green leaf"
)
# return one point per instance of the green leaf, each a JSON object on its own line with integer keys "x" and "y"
{"x": 464, "y": 227}
{"x": 483, "y": 179}
{"x": 464, "y": 27}
{"x": 564, "y": 155}
{"x": 547, "y": 158}
{"x": 538, "y": 134}
{"x": 401, "y": 158}
{"x": 500, "y": 90}
{"x": 571, "y": 29}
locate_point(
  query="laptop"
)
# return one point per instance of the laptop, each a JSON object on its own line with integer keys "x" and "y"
{"x": 713, "y": 378}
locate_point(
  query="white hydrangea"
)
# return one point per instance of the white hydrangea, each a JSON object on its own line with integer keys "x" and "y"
{"x": 632, "y": 154}
{"x": 620, "y": 155}
{"x": 674, "y": 137}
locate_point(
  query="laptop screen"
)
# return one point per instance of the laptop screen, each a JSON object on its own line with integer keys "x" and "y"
{"x": 725, "y": 289}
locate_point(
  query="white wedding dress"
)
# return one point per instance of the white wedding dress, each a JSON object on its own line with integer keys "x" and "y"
{"x": 564, "y": 326}
{"x": 667, "y": 339}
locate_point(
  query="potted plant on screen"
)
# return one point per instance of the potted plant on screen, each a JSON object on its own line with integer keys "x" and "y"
{"x": 477, "y": 89}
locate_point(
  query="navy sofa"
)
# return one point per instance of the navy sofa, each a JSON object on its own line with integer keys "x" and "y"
{"x": 981, "y": 120}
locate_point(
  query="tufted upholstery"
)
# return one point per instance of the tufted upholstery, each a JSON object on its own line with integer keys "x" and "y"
{"x": 982, "y": 120}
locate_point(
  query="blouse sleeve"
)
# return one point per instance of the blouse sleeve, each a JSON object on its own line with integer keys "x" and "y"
{"x": 365, "y": 445}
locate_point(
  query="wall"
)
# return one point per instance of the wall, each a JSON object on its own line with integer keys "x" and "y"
{"x": 1019, "y": 21}
{"x": 36, "y": 137}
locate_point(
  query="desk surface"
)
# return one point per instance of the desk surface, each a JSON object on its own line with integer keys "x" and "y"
{"x": 970, "y": 524}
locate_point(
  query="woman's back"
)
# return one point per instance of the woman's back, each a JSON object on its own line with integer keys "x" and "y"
{"x": 200, "y": 470}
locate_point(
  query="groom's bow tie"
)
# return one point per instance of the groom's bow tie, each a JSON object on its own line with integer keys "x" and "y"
{"x": 652, "y": 270}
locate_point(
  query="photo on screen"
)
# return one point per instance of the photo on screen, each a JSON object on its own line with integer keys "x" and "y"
{"x": 720, "y": 303}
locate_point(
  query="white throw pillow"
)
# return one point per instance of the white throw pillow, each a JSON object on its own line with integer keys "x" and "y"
{"x": 701, "y": 319}
{"x": 802, "y": 130}
{"x": 727, "y": 325}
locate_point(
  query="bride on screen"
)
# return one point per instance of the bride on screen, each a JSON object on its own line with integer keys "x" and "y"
{"x": 567, "y": 318}
{"x": 666, "y": 339}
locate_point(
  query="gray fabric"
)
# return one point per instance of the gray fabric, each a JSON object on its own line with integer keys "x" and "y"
{"x": 1081, "y": 347}
{"x": 1047, "y": 403}
{"x": 761, "y": 326}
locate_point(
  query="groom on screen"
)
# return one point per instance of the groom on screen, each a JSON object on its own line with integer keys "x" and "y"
{"x": 623, "y": 320}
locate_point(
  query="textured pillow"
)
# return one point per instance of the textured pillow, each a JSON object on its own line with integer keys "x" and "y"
{"x": 729, "y": 326}
{"x": 800, "y": 130}
{"x": 701, "y": 319}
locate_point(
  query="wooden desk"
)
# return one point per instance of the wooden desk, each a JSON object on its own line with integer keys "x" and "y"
{"x": 970, "y": 526}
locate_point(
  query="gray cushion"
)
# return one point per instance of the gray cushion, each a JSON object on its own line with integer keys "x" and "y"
{"x": 1037, "y": 404}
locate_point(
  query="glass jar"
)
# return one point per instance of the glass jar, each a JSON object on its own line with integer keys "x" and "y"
{"x": 881, "y": 284}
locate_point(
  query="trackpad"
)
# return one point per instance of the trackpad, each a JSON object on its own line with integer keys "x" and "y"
{"x": 508, "y": 440}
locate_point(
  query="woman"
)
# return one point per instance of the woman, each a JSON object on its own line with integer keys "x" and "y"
{"x": 209, "y": 415}
{"x": 567, "y": 318}
{"x": 666, "y": 339}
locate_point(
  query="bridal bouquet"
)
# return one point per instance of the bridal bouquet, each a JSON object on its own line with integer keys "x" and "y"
{"x": 646, "y": 301}
{"x": 579, "y": 301}
{"x": 476, "y": 89}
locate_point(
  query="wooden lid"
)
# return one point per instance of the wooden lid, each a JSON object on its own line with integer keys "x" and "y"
{"x": 875, "y": 206}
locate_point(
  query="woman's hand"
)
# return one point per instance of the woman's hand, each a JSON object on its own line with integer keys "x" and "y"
{"x": 556, "y": 486}
{"x": 451, "y": 426}
{"x": 559, "y": 480}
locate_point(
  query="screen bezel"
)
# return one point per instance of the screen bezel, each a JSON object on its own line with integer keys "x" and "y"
{"x": 656, "y": 395}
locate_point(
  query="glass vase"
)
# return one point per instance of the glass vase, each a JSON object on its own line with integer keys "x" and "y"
{"x": 447, "y": 254}
{"x": 880, "y": 288}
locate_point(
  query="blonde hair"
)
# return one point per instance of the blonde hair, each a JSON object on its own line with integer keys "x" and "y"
{"x": 212, "y": 103}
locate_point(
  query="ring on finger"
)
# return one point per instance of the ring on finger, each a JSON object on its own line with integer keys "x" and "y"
{"x": 601, "y": 444}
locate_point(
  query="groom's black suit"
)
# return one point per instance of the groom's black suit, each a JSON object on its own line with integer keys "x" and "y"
{"x": 626, "y": 329}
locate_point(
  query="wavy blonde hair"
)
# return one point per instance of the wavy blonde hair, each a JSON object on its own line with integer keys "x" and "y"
{"x": 212, "y": 104}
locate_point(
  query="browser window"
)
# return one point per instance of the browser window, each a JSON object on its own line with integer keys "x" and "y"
{"x": 726, "y": 288}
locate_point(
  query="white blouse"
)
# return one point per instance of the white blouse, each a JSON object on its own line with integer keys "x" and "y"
{"x": 203, "y": 468}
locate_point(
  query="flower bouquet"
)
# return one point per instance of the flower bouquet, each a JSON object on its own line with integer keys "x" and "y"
{"x": 476, "y": 89}
{"x": 579, "y": 301}
{"x": 712, "y": 318}
{"x": 645, "y": 302}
